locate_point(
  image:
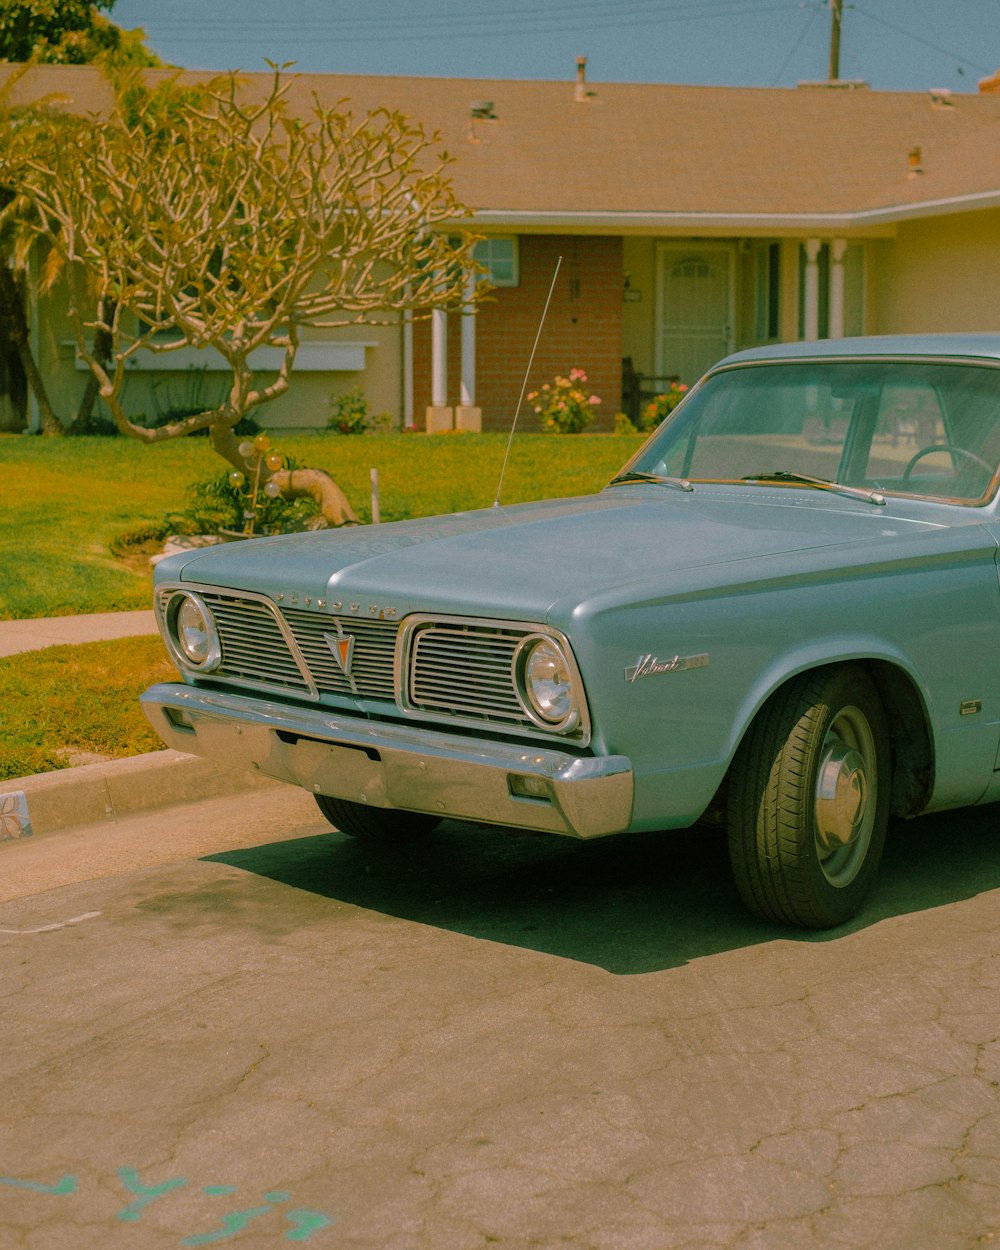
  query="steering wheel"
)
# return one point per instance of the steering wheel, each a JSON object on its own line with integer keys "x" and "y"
{"x": 951, "y": 447}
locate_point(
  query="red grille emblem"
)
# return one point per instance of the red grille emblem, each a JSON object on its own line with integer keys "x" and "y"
{"x": 342, "y": 646}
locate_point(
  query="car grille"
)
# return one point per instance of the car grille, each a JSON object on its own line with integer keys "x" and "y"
{"x": 371, "y": 662}
{"x": 254, "y": 646}
{"x": 453, "y": 670}
{"x": 465, "y": 670}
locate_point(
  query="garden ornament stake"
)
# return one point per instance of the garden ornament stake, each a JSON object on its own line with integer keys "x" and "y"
{"x": 259, "y": 451}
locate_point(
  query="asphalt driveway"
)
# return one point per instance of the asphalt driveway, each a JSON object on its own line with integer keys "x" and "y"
{"x": 488, "y": 1040}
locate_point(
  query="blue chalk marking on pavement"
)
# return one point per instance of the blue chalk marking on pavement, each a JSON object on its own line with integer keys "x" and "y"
{"x": 65, "y": 1185}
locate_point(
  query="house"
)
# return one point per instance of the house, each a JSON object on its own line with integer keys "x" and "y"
{"x": 690, "y": 221}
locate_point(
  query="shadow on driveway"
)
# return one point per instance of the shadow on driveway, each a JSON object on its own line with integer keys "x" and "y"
{"x": 629, "y": 904}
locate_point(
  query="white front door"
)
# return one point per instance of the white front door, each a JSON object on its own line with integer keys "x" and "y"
{"x": 695, "y": 309}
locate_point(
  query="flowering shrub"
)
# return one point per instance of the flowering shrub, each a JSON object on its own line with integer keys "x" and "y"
{"x": 623, "y": 426}
{"x": 348, "y": 412}
{"x": 662, "y": 405}
{"x": 564, "y": 406}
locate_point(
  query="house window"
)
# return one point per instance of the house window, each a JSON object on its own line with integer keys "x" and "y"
{"x": 499, "y": 258}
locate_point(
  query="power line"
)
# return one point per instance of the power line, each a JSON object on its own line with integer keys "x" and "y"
{"x": 570, "y": 10}
{"x": 520, "y": 22}
{"x": 955, "y": 56}
{"x": 795, "y": 46}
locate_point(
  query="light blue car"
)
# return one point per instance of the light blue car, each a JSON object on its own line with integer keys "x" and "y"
{"x": 783, "y": 614}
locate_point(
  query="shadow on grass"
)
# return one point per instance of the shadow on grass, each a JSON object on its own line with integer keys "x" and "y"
{"x": 631, "y": 904}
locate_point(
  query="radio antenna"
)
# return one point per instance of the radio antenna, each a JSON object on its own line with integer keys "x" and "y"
{"x": 524, "y": 384}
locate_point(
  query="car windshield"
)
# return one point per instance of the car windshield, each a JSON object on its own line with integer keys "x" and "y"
{"x": 910, "y": 427}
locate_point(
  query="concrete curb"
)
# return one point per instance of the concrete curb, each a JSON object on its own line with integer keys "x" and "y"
{"x": 101, "y": 793}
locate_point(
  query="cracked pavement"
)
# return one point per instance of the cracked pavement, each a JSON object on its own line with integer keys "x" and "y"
{"x": 488, "y": 1040}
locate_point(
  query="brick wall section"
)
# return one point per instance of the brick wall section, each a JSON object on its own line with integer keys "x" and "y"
{"x": 583, "y": 330}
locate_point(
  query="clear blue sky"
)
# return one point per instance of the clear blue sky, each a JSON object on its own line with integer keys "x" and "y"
{"x": 895, "y": 45}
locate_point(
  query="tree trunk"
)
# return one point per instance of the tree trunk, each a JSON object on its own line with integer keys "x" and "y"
{"x": 103, "y": 347}
{"x": 320, "y": 486}
{"x": 13, "y": 389}
{"x": 294, "y": 483}
{"x": 14, "y": 320}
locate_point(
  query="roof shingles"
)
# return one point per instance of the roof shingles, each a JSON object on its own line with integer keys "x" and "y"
{"x": 665, "y": 149}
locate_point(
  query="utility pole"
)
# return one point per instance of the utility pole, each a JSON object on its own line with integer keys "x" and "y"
{"x": 836, "y": 7}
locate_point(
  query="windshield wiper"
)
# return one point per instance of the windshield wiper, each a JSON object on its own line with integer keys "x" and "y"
{"x": 633, "y": 475}
{"x": 855, "y": 492}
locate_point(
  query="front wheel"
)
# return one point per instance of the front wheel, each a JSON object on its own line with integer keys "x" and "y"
{"x": 383, "y": 824}
{"x": 809, "y": 799}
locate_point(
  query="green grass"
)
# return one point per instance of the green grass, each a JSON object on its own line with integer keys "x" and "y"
{"x": 77, "y": 699}
{"x": 64, "y": 501}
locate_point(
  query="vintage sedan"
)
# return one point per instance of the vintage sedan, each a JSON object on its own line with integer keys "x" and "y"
{"x": 782, "y": 614}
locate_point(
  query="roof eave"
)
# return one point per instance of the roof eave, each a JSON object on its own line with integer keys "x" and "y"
{"x": 869, "y": 220}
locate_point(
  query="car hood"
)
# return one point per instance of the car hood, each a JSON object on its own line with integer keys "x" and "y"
{"x": 519, "y": 562}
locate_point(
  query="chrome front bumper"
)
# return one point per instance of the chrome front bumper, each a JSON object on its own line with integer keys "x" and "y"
{"x": 398, "y": 766}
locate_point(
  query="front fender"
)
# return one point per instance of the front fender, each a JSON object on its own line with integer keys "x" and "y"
{"x": 681, "y": 723}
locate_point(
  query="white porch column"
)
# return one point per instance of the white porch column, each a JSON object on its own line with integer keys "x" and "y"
{"x": 467, "y": 390}
{"x": 467, "y": 415}
{"x": 439, "y": 358}
{"x": 408, "y": 369}
{"x": 439, "y": 415}
{"x": 837, "y": 249}
{"x": 811, "y": 318}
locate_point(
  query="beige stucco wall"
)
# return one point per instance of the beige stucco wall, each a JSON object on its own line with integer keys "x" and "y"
{"x": 304, "y": 406}
{"x": 938, "y": 274}
{"x": 639, "y": 310}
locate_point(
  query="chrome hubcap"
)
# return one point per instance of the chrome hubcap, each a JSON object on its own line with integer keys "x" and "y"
{"x": 844, "y": 806}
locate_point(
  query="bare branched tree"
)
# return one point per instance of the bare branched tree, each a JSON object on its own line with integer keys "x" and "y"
{"x": 213, "y": 218}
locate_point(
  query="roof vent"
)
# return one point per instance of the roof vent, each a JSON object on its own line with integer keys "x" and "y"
{"x": 482, "y": 110}
{"x": 836, "y": 84}
{"x": 582, "y": 93}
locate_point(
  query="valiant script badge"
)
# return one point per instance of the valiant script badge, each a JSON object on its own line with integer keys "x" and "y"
{"x": 651, "y": 666}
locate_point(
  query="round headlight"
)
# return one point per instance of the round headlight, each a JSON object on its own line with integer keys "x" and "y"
{"x": 193, "y": 632}
{"x": 547, "y": 683}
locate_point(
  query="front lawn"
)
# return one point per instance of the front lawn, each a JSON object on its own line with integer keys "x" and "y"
{"x": 65, "y": 500}
{"x": 63, "y": 705}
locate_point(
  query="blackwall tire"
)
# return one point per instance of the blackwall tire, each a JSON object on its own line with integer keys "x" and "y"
{"x": 383, "y": 824}
{"x": 809, "y": 799}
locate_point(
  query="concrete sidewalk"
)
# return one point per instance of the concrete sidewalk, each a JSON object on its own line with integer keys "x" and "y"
{"x": 113, "y": 789}
{"x": 52, "y": 631}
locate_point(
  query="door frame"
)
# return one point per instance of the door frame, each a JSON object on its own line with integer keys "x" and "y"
{"x": 674, "y": 247}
